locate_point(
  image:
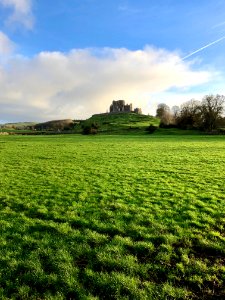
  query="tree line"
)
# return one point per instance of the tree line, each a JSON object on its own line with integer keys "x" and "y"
{"x": 206, "y": 115}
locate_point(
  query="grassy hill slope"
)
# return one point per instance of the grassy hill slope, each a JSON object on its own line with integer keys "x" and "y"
{"x": 120, "y": 123}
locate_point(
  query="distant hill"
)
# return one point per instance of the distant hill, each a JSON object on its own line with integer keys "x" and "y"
{"x": 18, "y": 125}
{"x": 55, "y": 125}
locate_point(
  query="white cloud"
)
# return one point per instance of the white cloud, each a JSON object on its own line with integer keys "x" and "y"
{"x": 6, "y": 45}
{"x": 55, "y": 85}
{"x": 21, "y": 12}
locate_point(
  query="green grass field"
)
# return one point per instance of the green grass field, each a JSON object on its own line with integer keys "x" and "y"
{"x": 112, "y": 217}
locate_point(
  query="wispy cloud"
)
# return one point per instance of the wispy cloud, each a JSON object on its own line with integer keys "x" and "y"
{"x": 219, "y": 25}
{"x": 57, "y": 85}
{"x": 202, "y": 48}
{"x": 21, "y": 12}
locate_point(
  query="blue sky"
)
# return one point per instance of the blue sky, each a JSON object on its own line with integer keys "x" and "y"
{"x": 69, "y": 59}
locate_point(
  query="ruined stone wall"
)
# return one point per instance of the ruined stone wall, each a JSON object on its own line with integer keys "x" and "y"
{"x": 120, "y": 106}
{"x": 138, "y": 111}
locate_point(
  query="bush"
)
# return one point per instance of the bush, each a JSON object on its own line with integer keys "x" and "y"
{"x": 222, "y": 130}
{"x": 151, "y": 129}
{"x": 91, "y": 129}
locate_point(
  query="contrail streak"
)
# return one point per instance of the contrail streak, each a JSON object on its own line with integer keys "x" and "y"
{"x": 202, "y": 48}
{"x": 218, "y": 25}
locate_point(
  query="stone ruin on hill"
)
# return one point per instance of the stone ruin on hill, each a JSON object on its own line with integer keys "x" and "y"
{"x": 118, "y": 106}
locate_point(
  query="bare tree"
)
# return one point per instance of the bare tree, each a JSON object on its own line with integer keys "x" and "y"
{"x": 189, "y": 115}
{"x": 162, "y": 109}
{"x": 175, "y": 111}
{"x": 212, "y": 108}
{"x": 163, "y": 112}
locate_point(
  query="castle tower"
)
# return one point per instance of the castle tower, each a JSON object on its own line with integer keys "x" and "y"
{"x": 120, "y": 106}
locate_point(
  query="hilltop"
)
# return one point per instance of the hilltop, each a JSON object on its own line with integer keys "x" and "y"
{"x": 119, "y": 123}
